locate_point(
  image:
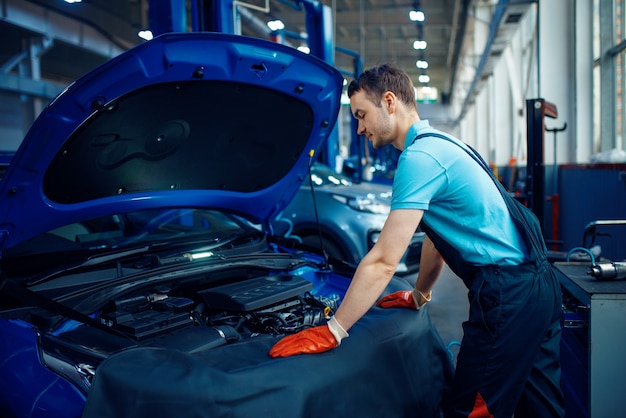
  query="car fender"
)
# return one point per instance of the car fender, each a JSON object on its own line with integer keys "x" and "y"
{"x": 28, "y": 388}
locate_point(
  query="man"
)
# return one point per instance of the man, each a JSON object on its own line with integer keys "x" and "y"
{"x": 508, "y": 362}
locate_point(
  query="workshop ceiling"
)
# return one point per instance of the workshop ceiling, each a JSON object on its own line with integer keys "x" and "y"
{"x": 380, "y": 31}
{"x": 377, "y": 31}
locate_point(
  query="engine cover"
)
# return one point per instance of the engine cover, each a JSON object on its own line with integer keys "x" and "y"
{"x": 254, "y": 294}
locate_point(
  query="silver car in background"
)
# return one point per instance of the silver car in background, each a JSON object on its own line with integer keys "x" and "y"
{"x": 351, "y": 216}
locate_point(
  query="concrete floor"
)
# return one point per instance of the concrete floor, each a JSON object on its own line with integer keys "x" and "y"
{"x": 448, "y": 308}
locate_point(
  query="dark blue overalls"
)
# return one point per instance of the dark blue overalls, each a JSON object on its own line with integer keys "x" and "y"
{"x": 508, "y": 362}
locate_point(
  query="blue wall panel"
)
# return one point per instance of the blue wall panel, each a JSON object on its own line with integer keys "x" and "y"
{"x": 590, "y": 193}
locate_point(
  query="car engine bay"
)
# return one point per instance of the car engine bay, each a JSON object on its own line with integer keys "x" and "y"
{"x": 275, "y": 304}
{"x": 191, "y": 315}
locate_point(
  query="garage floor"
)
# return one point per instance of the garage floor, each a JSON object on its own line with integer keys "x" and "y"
{"x": 448, "y": 308}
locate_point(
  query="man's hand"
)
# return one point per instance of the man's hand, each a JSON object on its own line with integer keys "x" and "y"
{"x": 412, "y": 299}
{"x": 311, "y": 341}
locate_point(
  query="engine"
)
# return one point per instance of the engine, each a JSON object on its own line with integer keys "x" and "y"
{"x": 276, "y": 305}
{"x": 189, "y": 317}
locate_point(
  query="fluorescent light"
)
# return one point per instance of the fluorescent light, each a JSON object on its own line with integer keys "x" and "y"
{"x": 421, "y": 64}
{"x": 427, "y": 94}
{"x": 145, "y": 34}
{"x": 198, "y": 256}
{"x": 73, "y": 1}
{"x": 416, "y": 16}
{"x": 345, "y": 100}
{"x": 419, "y": 45}
{"x": 276, "y": 24}
{"x": 423, "y": 78}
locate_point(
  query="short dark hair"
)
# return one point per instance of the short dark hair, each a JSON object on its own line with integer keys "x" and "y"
{"x": 378, "y": 80}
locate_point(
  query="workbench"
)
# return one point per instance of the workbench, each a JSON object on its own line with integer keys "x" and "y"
{"x": 593, "y": 347}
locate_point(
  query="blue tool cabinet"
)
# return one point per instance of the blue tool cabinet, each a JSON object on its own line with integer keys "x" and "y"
{"x": 593, "y": 346}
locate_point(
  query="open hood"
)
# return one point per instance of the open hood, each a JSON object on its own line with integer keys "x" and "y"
{"x": 187, "y": 119}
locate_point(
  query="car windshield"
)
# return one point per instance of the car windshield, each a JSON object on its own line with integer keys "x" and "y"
{"x": 147, "y": 227}
{"x": 322, "y": 175}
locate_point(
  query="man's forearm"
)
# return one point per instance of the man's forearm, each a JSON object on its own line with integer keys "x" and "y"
{"x": 378, "y": 266}
{"x": 368, "y": 283}
{"x": 431, "y": 265}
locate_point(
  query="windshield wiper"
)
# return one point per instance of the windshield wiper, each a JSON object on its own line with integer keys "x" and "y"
{"x": 91, "y": 261}
{"x": 203, "y": 252}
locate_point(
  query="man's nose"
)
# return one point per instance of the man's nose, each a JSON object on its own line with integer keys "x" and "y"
{"x": 360, "y": 130}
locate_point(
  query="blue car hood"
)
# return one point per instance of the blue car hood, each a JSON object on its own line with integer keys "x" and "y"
{"x": 185, "y": 120}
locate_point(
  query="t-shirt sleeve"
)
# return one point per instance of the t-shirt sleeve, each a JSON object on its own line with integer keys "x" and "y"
{"x": 418, "y": 180}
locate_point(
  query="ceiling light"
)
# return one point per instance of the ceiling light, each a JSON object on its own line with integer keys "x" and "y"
{"x": 345, "y": 100}
{"x": 73, "y": 1}
{"x": 426, "y": 94}
{"x": 304, "y": 48}
{"x": 416, "y": 16}
{"x": 423, "y": 78}
{"x": 421, "y": 64}
{"x": 419, "y": 45}
{"x": 145, "y": 34}
{"x": 276, "y": 24}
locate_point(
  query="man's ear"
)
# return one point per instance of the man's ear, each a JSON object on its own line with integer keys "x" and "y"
{"x": 389, "y": 100}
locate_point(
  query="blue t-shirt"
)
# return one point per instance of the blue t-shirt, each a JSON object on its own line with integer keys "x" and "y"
{"x": 459, "y": 199}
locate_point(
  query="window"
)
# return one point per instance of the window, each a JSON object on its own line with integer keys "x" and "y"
{"x": 609, "y": 46}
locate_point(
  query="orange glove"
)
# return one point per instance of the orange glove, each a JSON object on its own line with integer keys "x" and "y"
{"x": 412, "y": 299}
{"x": 310, "y": 341}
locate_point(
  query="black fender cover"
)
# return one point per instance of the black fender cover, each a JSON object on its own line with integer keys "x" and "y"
{"x": 394, "y": 364}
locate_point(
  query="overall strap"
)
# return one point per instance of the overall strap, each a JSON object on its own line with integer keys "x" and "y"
{"x": 527, "y": 223}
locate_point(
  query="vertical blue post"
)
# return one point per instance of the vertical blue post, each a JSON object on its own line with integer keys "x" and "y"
{"x": 321, "y": 44}
{"x": 213, "y": 16}
{"x": 319, "y": 24}
{"x": 356, "y": 141}
{"x": 167, "y": 16}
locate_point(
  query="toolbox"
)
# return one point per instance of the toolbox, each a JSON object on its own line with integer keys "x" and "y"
{"x": 593, "y": 343}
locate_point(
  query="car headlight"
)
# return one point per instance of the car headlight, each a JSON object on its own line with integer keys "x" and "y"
{"x": 373, "y": 238}
{"x": 364, "y": 204}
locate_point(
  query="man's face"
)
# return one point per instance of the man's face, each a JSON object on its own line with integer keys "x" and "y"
{"x": 373, "y": 121}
